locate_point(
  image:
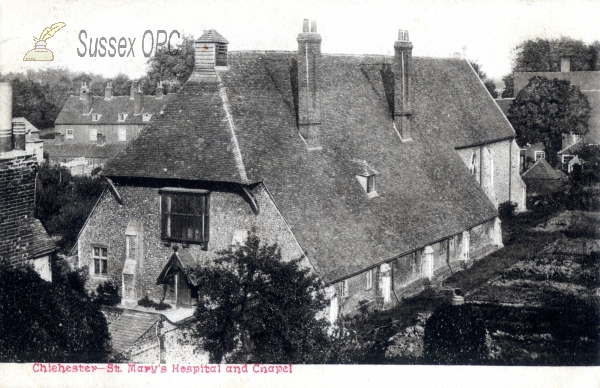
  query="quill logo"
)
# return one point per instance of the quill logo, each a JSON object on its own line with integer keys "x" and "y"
{"x": 40, "y": 52}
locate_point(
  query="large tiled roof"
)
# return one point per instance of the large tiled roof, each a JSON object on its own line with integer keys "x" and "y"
{"x": 42, "y": 243}
{"x": 71, "y": 112}
{"x": 244, "y": 130}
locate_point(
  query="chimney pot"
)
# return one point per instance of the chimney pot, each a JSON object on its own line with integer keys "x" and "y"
{"x": 305, "y": 26}
{"x": 6, "y": 139}
{"x": 313, "y": 26}
{"x": 406, "y": 36}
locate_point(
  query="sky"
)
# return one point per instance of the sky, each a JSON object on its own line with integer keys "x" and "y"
{"x": 488, "y": 29}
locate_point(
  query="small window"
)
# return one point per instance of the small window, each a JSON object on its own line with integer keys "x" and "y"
{"x": 443, "y": 246}
{"x": 96, "y": 116}
{"x": 70, "y": 135}
{"x": 452, "y": 242}
{"x": 93, "y": 134}
{"x": 146, "y": 117}
{"x": 344, "y": 288}
{"x": 100, "y": 256}
{"x": 567, "y": 158}
{"x": 185, "y": 215}
{"x": 473, "y": 166}
{"x": 369, "y": 276}
{"x": 122, "y": 117}
{"x": 122, "y": 134}
{"x": 540, "y": 155}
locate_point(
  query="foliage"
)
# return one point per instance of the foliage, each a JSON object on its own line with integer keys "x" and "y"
{"x": 544, "y": 55}
{"x": 255, "y": 306}
{"x": 545, "y": 110}
{"x": 509, "y": 86}
{"x": 107, "y": 294}
{"x": 507, "y": 209}
{"x": 48, "y": 322}
{"x": 489, "y": 84}
{"x": 455, "y": 335}
{"x": 63, "y": 202}
{"x": 149, "y": 303}
{"x": 590, "y": 172}
{"x": 173, "y": 70}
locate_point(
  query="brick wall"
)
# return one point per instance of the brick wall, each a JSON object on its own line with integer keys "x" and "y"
{"x": 17, "y": 191}
{"x": 229, "y": 212}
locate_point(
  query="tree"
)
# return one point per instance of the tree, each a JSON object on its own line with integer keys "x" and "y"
{"x": 255, "y": 306}
{"x": 173, "y": 70}
{"x": 590, "y": 171}
{"x": 489, "y": 84}
{"x": 48, "y": 322}
{"x": 545, "y": 110}
{"x": 544, "y": 55}
{"x": 509, "y": 86}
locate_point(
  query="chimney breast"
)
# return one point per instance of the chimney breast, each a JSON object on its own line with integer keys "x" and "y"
{"x": 135, "y": 85}
{"x": 138, "y": 102}
{"x": 6, "y": 140}
{"x": 108, "y": 91}
{"x": 402, "y": 85}
{"x": 309, "y": 104}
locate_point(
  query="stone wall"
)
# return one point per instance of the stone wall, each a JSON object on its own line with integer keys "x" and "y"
{"x": 17, "y": 192}
{"x": 228, "y": 212}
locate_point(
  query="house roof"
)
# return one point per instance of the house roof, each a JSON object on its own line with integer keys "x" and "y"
{"x": 129, "y": 327}
{"x": 211, "y": 36}
{"x": 179, "y": 260}
{"x": 572, "y": 148}
{"x": 243, "y": 130}
{"x": 42, "y": 243}
{"x": 542, "y": 170}
{"x": 71, "y": 113}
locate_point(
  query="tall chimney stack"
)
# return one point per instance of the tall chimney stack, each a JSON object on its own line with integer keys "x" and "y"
{"x": 86, "y": 99}
{"x": 6, "y": 139}
{"x": 108, "y": 91}
{"x": 402, "y": 85}
{"x": 565, "y": 64}
{"x": 309, "y": 103}
{"x": 210, "y": 50}
{"x": 159, "y": 90}
{"x": 135, "y": 85}
{"x": 138, "y": 102}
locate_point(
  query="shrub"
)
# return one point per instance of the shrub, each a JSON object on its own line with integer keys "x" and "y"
{"x": 147, "y": 302}
{"x": 506, "y": 210}
{"x": 455, "y": 335}
{"x": 107, "y": 294}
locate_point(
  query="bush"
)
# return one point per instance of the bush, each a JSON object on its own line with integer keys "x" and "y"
{"x": 506, "y": 210}
{"x": 148, "y": 303}
{"x": 455, "y": 335}
{"x": 107, "y": 294}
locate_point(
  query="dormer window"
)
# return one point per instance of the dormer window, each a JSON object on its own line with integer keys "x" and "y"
{"x": 146, "y": 117}
{"x": 365, "y": 175}
{"x": 122, "y": 117}
{"x": 96, "y": 116}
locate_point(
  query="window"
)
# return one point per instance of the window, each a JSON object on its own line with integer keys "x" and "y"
{"x": 452, "y": 243}
{"x": 100, "y": 256}
{"x": 567, "y": 158}
{"x": 70, "y": 135}
{"x": 368, "y": 184}
{"x": 122, "y": 116}
{"x": 93, "y": 134}
{"x": 122, "y": 134}
{"x": 185, "y": 215}
{"x": 443, "y": 246}
{"x": 344, "y": 288}
{"x": 369, "y": 276}
{"x": 96, "y": 117}
{"x": 473, "y": 166}
{"x": 540, "y": 155}
{"x": 146, "y": 117}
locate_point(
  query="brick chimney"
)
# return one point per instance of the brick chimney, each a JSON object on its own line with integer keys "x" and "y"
{"x": 309, "y": 102}
{"x": 86, "y": 99}
{"x": 138, "y": 102}
{"x": 135, "y": 85}
{"x": 402, "y": 85}
{"x": 6, "y": 139}
{"x": 108, "y": 91}
{"x": 159, "y": 90}
{"x": 210, "y": 51}
{"x": 565, "y": 64}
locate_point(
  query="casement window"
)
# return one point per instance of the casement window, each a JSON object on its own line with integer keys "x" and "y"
{"x": 122, "y": 134}
{"x": 185, "y": 215}
{"x": 70, "y": 134}
{"x": 567, "y": 158}
{"x": 344, "y": 288}
{"x": 100, "y": 257}
{"x": 93, "y": 134}
{"x": 146, "y": 117}
{"x": 96, "y": 116}
{"x": 369, "y": 278}
{"x": 122, "y": 117}
{"x": 540, "y": 155}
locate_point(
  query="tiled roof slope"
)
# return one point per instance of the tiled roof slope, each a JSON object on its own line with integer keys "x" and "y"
{"x": 504, "y": 104}
{"x": 425, "y": 190}
{"x": 71, "y": 112}
{"x": 129, "y": 327}
{"x": 544, "y": 171}
{"x": 42, "y": 243}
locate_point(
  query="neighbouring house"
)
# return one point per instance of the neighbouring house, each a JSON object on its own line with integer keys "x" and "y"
{"x": 383, "y": 173}
{"x": 97, "y": 128}
{"x": 542, "y": 179}
{"x": 23, "y": 239}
